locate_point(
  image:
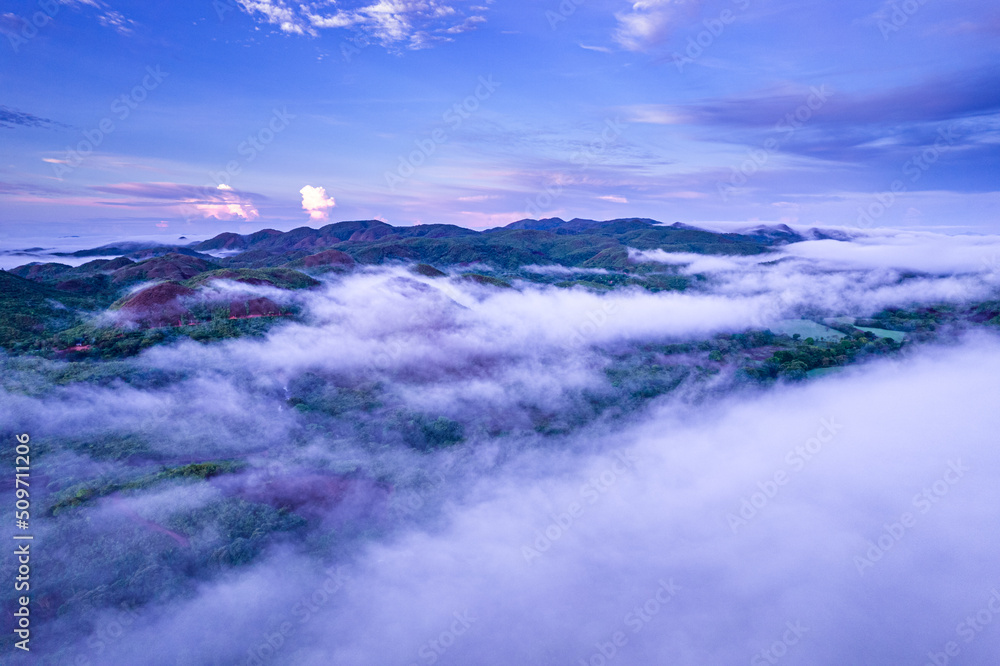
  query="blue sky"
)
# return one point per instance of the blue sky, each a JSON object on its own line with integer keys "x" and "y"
{"x": 139, "y": 118}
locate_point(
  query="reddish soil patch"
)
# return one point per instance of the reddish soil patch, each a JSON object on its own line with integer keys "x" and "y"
{"x": 254, "y": 307}
{"x": 168, "y": 267}
{"x": 158, "y": 305}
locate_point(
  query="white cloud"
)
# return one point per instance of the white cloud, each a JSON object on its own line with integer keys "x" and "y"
{"x": 650, "y": 21}
{"x": 479, "y": 197}
{"x": 117, "y": 22}
{"x": 663, "y": 517}
{"x": 923, "y": 252}
{"x": 232, "y": 206}
{"x": 414, "y": 24}
{"x": 107, "y": 16}
{"x": 278, "y": 13}
{"x": 655, "y": 114}
{"x": 315, "y": 201}
{"x": 599, "y": 49}
{"x": 697, "y": 263}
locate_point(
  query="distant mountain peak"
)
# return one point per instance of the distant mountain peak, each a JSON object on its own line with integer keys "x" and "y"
{"x": 774, "y": 233}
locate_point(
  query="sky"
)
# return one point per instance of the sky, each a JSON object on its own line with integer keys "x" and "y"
{"x": 194, "y": 118}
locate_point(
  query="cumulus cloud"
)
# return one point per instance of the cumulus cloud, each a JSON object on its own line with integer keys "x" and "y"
{"x": 315, "y": 201}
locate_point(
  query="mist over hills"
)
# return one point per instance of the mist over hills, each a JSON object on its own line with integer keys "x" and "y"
{"x": 538, "y": 333}
{"x": 330, "y": 445}
{"x": 55, "y": 306}
{"x": 586, "y": 244}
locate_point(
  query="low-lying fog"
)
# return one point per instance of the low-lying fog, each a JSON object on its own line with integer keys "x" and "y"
{"x": 852, "y": 519}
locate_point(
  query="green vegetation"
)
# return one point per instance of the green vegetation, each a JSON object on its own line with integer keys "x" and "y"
{"x": 241, "y": 528}
{"x": 486, "y": 280}
{"x": 423, "y": 432}
{"x": 29, "y": 310}
{"x": 89, "y": 342}
{"x": 82, "y": 493}
{"x": 311, "y": 393}
{"x": 110, "y": 446}
{"x": 579, "y": 243}
{"x": 642, "y": 377}
{"x": 428, "y": 271}
{"x": 801, "y": 356}
{"x": 51, "y": 309}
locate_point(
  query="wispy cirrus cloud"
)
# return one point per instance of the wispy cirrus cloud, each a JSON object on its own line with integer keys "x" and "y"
{"x": 412, "y": 24}
{"x": 29, "y": 189}
{"x": 13, "y": 118}
{"x": 106, "y": 16}
{"x": 960, "y": 94}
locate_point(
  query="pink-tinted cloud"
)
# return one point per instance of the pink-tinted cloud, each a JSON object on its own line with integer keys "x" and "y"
{"x": 221, "y": 203}
{"x": 316, "y": 202}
